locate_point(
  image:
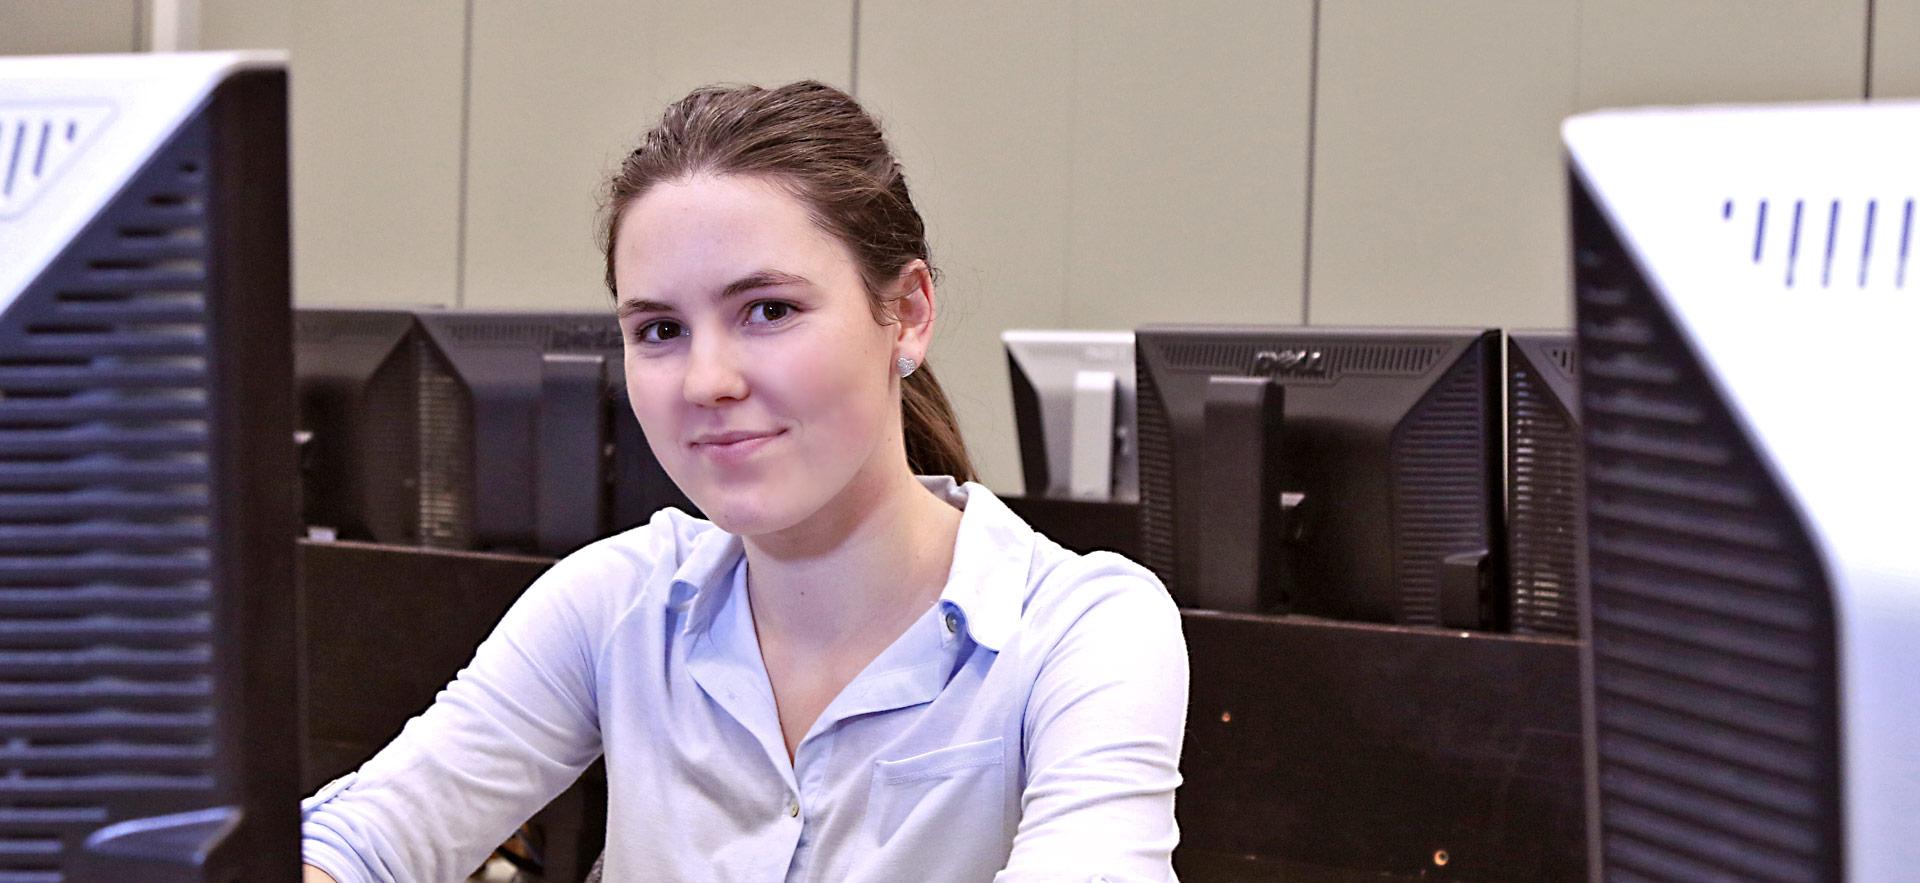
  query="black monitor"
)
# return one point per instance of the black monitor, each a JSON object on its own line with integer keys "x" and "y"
{"x": 527, "y": 441}
{"x": 1344, "y": 473}
{"x": 357, "y": 381}
{"x": 148, "y": 724}
{"x": 1543, "y": 483}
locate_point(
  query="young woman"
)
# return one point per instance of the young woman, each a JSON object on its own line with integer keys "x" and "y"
{"x": 864, "y": 667}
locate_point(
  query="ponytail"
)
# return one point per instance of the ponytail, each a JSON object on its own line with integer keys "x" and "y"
{"x": 933, "y": 439}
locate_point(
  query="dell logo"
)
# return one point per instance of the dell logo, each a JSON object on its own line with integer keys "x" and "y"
{"x": 1292, "y": 362}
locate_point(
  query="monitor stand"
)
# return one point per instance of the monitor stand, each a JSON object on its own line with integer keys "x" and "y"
{"x": 1243, "y": 564}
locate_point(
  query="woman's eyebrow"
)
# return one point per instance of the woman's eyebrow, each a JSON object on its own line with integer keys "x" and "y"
{"x": 750, "y": 282}
{"x": 761, "y": 279}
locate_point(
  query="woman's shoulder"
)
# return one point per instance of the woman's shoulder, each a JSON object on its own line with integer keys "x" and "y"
{"x": 992, "y": 529}
{"x": 634, "y": 567}
{"x": 1064, "y": 586}
{"x": 1080, "y": 580}
{"x": 1098, "y": 615}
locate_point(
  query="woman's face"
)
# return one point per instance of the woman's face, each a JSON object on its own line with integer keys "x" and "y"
{"x": 763, "y": 383}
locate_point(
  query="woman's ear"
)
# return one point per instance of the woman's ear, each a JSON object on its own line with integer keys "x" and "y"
{"x": 913, "y": 311}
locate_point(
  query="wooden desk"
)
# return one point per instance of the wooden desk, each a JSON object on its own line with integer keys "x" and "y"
{"x": 1330, "y": 751}
{"x": 382, "y": 629}
{"x": 1340, "y": 751}
{"x": 1316, "y": 751}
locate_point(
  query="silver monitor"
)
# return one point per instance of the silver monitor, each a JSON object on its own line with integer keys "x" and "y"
{"x": 1745, "y": 311}
{"x": 1073, "y": 403}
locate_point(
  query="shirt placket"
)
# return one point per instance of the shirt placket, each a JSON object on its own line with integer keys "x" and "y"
{"x": 909, "y": 673}
{"x": 725, "y": 662}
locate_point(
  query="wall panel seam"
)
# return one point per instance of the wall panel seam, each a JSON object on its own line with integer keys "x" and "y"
{"x": 1866, "y": 86}
{"x": 466, "y": 148}
{"x": 853, "y": 64}
{"x": 1313, "y": 146}
{"x": 1068, "y": 224}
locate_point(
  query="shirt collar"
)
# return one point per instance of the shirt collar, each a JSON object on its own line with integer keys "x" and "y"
{"x": 986, "y": 586}
{"x": 992, "y": 557}
{"x": 702, "y": 582}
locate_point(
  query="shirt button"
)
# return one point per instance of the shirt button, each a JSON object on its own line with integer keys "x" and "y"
{"x": 793, "y": 809}
{"x": 953, "y": 622}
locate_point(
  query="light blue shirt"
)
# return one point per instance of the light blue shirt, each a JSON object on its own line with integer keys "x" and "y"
{"x": 1027, "y": 727}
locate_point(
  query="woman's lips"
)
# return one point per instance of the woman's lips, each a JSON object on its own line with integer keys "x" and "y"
{"x": 734, "y": 447}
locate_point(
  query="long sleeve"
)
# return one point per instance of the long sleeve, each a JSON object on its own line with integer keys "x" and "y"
{"x": 1103, "y": 735}
{"x": 513, "y": 730}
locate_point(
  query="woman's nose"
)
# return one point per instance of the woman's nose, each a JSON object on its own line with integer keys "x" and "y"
{"x": 713, "y": 374}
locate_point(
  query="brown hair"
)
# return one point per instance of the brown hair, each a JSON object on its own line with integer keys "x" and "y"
{"x": 817, "y": 142}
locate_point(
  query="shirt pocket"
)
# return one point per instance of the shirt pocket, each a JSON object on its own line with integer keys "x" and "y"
{"x": 930, "y": 798}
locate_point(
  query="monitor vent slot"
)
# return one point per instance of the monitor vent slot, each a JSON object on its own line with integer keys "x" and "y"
{"x": 1398, "y": 361}
{"x": 106, "y": 572}
{"x": 1543, "y": 462}
{"x": 1440, "y": 485}
{"x": 330, "y": 325}
{"x": 446, "y": 453}
{"x": 1156, "y": 479}
{"x": 392, "y": 499}
{"x": 490, "y": 332}
{"x": 1712, "y": 627}
{"x": 579, "y": 335}
{"x": 1336, "y": 359}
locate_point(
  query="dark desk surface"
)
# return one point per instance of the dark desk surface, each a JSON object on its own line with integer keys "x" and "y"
{"x": 1369, "y": 750}
{"x": 1316, "y": 751}
{"x": 382, "y": 629}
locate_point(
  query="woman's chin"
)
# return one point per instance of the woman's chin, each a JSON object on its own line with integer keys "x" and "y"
{"x": 765, "y": 505}
{"x": 747, "y": 515}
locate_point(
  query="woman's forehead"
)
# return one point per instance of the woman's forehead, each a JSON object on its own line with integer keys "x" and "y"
{"x": 708, "y": 230}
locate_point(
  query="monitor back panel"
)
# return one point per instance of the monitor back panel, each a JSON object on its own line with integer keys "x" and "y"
{"x": 358, "y": 383}
{"x": 1388, "y": 434}
{"x": 147, "y": 521}
{"x": 1715, "y": 720}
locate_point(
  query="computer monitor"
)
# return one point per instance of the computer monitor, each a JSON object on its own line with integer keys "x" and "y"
{"x": 1073, "y": 406}
{"x": 1345, "y": 473}
{"x": 527, "y": 441}
{"x": 1746, "y": 324}
{"x": 357, "y": 385}
{"x": 1543, "y": 483}
{"x": 147, "y": 669}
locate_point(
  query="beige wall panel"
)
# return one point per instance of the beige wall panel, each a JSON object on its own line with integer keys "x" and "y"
{"x": 246, "y": 24}
{"x": 1189, "y": 163}
{"x": 376, "y": 131}
{"x": 562, "y": 91}
{"x": 1638, "y": 52}
{"x": 977, "y": 98}
{"x": 1438, "y": 181}
{"x": 1896, "y": 49}
{"x": 58, "y": 27}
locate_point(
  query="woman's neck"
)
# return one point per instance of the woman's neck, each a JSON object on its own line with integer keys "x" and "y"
{"x": 864, "y": 567}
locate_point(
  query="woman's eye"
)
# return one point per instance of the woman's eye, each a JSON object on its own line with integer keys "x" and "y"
{"x": 769, "y": 311}
{"x": 659, "y": 332}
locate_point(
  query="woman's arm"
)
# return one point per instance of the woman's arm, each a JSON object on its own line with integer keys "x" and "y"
{"x": 515, "y": 727}
{"x": 1103, "y": 732}
{"x": 311, "y": 874}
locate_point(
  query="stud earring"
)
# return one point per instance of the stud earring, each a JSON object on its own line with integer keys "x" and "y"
{"x": 905, "y": 365}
